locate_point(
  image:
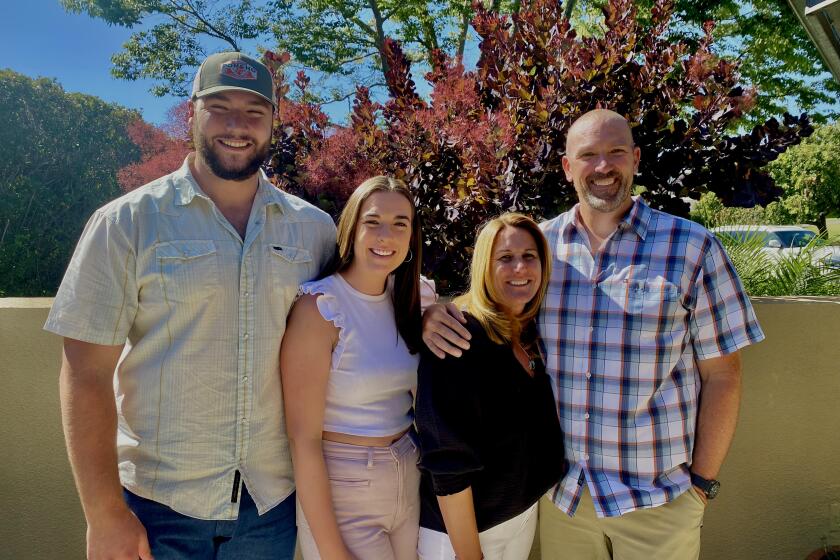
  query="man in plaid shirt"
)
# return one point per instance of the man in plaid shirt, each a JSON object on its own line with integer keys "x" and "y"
{"x": 641, "y": 328}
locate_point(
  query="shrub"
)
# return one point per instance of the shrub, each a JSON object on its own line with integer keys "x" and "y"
{"x": 793, "y": 274}
{"x": 711, "y": 212}
{"x": 492, "y": 139}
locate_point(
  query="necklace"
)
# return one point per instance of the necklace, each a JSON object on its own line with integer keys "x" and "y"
{"x": 532, "y": 362}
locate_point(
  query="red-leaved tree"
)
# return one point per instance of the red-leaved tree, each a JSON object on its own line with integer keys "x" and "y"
{"x": 162, "y": 149}
{"x": 493, "y": 139}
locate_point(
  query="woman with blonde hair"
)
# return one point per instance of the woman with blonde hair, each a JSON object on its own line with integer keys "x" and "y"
{"x": 349, "y": 370}
{"x": 487, "y": 421}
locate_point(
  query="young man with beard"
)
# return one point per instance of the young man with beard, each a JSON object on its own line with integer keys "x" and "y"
{"x": 641, "y": 327}
{"x": 175, "y": 301}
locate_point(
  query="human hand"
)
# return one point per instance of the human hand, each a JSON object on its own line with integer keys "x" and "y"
{"x": 117, "y": 535}
{"x": 443, "y": 331}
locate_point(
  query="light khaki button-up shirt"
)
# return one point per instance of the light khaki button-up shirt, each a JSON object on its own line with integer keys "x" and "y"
{"x": 202, "y": 313}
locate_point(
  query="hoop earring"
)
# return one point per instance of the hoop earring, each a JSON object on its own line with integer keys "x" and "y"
{"x": 410, "y": 256}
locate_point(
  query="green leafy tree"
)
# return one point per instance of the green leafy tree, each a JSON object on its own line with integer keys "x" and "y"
{"x": 809, "y": 174}
{"x": 346, "y": 37}
{"x": 171, "y": 43}
{"x": 340, "y": 38}
{"x": 765, "y": 37}
{"x": 711, "y": 212}
{"x": 776, "y": 213}
{"x": 60, "y": 155}
{"x": 343, "y": 39}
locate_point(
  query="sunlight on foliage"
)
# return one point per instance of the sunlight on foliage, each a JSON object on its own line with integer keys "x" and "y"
{"x": 793, "y": 274}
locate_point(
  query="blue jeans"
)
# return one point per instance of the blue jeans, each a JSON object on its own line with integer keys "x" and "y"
{"x": 173, "y": 536}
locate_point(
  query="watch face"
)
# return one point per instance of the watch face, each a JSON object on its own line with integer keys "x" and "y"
{"x": 714, "y": 488}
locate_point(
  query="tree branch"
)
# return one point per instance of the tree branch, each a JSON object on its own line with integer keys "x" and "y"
{"x": 365, "y": 27}
{"x": 189, "y": 9}
{"x": 359, "y": 58}
{"x": 349, "y": 95}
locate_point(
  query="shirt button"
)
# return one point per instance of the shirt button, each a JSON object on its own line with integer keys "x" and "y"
{"x": 245, "y": 336}
{"x": 588, "y": 375}
{"x": 586, "y": 416}
{"x": 585, "y": 456}
{"x": 246, "y": 294}
{"x": 244, "y": 420}
{"x": 244, "y": 378}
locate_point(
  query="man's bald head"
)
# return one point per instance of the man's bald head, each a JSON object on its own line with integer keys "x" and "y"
{"x": 601, "y": 160}
{"x": 597, "y": 118}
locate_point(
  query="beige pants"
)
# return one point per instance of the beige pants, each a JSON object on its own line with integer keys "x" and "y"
{"x": 376, "y": 499}
{"x": 668, "y": 532}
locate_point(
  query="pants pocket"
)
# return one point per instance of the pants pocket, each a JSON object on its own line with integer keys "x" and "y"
{"x": 346, "y": 482}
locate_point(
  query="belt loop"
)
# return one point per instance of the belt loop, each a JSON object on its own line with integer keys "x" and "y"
{"x": 370, "y": 457}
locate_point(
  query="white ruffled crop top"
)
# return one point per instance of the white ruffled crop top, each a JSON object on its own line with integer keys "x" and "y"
{"x": 372, "y": 376}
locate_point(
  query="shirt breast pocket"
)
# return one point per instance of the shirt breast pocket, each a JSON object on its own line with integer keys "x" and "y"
{"x": 289, "y": 266}
{"x": 652, "y": 305}
{"x": 189, "y": 270}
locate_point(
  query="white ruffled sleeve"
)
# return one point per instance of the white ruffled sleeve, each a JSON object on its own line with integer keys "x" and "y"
{"x": 330, "y": 308}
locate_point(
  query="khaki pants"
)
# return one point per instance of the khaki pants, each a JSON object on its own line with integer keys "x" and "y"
{"x": 668, "y": 532}
{"x": 376, "y": 499}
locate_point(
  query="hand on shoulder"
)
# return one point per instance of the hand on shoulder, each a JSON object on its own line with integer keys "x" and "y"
{"x": 444, "y": 330}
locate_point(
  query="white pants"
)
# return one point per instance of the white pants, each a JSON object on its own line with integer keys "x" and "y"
{"x": 510, "y": 540}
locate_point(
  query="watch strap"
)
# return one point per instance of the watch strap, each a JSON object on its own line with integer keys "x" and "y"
{"x": 700, "y": 482}
{"x": 709, "y": 487}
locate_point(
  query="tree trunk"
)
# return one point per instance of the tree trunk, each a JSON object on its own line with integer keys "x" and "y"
{"x": 462, "y": 33}
{"x": 570, "y": 6}
{"x": 429, "y": 37}
{"x": 5, "y": 229}
{"x": 821, "y": 224}
{"x": 380, "y": 35}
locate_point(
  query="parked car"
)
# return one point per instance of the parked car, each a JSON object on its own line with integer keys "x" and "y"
{"x": 784, "y": 240}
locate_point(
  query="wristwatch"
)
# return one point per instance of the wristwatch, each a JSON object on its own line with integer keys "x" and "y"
{"x": 709, "y": 487}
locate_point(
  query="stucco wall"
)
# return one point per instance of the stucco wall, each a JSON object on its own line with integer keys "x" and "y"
{"x": 41, "y": 516}
{"x": 783, "y": 470}
{"x": 778, "y": 483}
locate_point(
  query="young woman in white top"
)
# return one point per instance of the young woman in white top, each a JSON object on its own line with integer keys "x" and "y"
{"x": 349, "y": 370}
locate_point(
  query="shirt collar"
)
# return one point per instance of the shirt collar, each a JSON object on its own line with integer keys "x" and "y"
{"x": 187, "y": 188}
{"x": 269, "y": 194}
{"x": 637, "y": 218}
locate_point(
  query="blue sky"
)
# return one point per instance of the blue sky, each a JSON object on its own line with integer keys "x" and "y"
{"x": 38, "y": 38}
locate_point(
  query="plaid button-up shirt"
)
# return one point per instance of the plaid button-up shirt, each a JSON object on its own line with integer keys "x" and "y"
{"x": 623, "y": 330}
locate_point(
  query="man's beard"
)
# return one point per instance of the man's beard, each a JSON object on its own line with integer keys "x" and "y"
{"x": 610, "y": 203}
{"x": 220, "y": 170}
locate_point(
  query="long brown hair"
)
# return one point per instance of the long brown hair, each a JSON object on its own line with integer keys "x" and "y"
{"x": 406, "y": 288}
{"x": 482, "y": 301}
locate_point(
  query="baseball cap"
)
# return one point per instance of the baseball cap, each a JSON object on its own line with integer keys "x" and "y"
{"x": 233, "y": 71}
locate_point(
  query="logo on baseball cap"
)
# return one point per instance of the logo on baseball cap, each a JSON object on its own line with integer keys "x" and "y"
{"x": 233, "y": 71}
